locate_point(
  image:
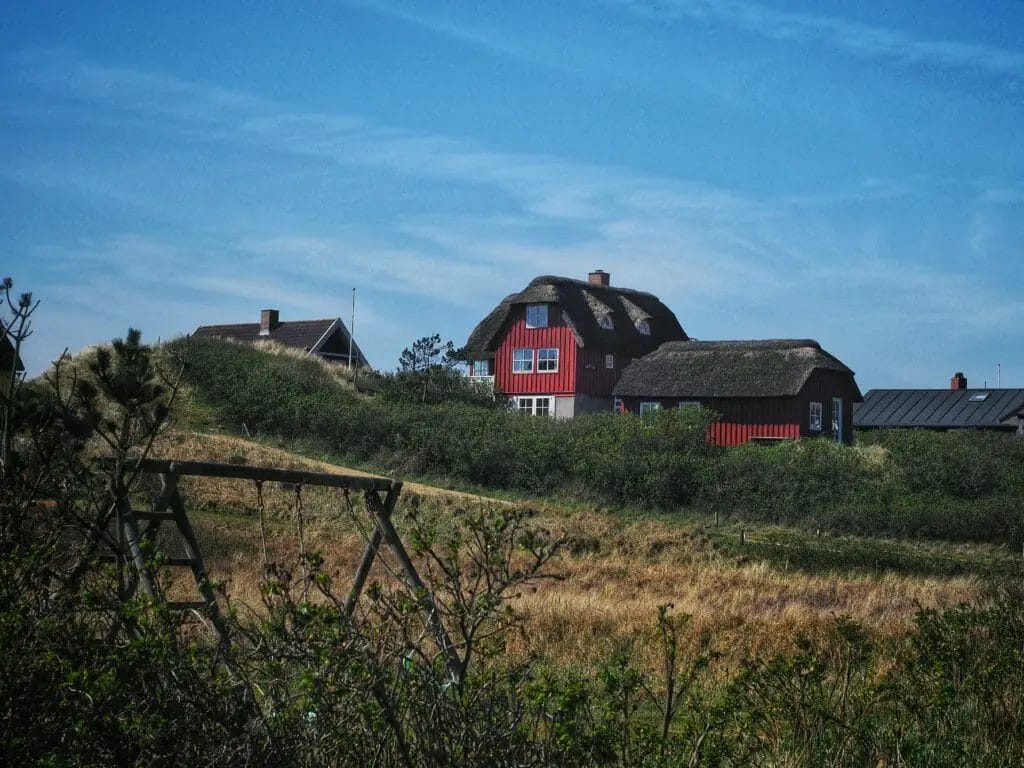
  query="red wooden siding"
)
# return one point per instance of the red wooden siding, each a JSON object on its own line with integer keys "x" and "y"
{"x": 728, "y": 433}
{"x": 593, "y": 378}
{"x": 518, "y": 336}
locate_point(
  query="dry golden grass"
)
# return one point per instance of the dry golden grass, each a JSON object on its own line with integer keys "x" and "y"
{"x": 610, "y": 583}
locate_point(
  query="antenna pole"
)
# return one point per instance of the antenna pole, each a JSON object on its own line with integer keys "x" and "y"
{"x": 999, "y": 375}
{"x": 352, "y": 329}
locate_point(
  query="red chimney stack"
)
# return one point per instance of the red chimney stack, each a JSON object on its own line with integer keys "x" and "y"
{"x": 600, "y": 277}
{"x": 958, "y": 381}
{"x": 268, "y": 321}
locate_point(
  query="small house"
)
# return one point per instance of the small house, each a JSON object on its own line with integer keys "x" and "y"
{"x": 771, "y": 389}
{"x": 958, "y": 407}
{"x": 559, "y": 346}
{"x": 327, "y": 339}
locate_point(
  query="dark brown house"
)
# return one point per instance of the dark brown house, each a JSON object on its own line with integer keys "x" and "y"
{"x": 328, "y": 339}
{"x": 779, "y": 388}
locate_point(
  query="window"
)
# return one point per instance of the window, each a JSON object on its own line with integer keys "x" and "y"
{"x": 980, "y": 397}
{"x": 481, "y": 368}
{"x": 815, "y": 419}
{"x": 689, "y": 404}
{"x": 837, "y": 418}
{"x": 522, "y": 361}
{"x": 617, "y": 405}
{"x": 536, "y": 315}
{"x": 647, "y": 407}
{"x": 547, "y": 360}
{"x": 644, "y": 328}
{"x": 607, "y": 323}
{"x": 609, "y": 362}
{"x": 533, "y": 406}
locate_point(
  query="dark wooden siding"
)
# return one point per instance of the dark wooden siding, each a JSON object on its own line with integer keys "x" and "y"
{"x": 740, "y": 419}
{"x": 593, "y": 378}
{"x": 518, "y": 336}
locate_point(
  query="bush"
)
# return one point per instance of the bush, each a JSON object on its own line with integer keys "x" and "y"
{"x": 956, "y": 485}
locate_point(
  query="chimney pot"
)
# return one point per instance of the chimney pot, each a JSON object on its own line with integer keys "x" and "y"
{"x": 958, "y": 381}
{"x": 268, "y": 321}
{"x": 600, "y": 277}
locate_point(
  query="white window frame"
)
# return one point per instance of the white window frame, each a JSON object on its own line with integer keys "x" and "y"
{"x": 518, "y": 360}
{"x": 607, "y": 323}
{"x": 541, "y": 361}
{"x": 532, "y": 405}
{"x": 837, "y": 418}
{"x": 609, "y": 362}
{"x": 815, "y": 417}
{"x": 536, "y": 315}
{"x": 485, "y": 365}
{"x": 646, "y": 406}
{"x": 617, "y": 405}
{"x": 643, "y": 328}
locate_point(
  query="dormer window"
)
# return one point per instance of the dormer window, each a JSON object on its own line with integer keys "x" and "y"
{"x": 536, "y": 315}
{"x": 644, "y": 328}
{"x": 607, "y": 323}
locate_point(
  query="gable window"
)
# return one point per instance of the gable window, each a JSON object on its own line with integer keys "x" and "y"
{"x": 644, "y": 328}
{"x": 607, "y": 323}
{"x": 522, "y": 361}
{"x": 814, "y": 423}
{"x": 481, "y": 368}
{"x": 609, "y": 362}
{"x": 547, "y": 360}
{"x": 536, "y": 315}
{"x": 532, "y": 406}
{"x": 648, "y": 406}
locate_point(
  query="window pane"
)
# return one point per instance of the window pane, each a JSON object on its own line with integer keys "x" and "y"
{"x": 644, "y": 327}
{"x": 609, "y": 361}
{"x": 522, "y": 360}
{"x": 547, "y": 359}
{"x": 543, "y": 406}
{"x": 525, "y": 404}
{"x": 536, "y": 315}
{"x": 815, "y": 417}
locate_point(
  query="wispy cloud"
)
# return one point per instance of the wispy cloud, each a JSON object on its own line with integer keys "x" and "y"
{"x": 850, "y": 37}
{"x": 729, "y": 263}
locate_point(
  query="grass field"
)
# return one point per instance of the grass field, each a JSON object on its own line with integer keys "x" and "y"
{"x": 617, "y": 568}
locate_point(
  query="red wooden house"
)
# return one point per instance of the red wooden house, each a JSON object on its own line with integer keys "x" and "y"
{"x": 559, "y": 346}
{"x": 787, "y": 388}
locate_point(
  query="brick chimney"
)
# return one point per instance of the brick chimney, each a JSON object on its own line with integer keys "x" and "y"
{"x": 958, "y": 381}
{"x": 600, "y": 277}
{"x": 268, "y": 321}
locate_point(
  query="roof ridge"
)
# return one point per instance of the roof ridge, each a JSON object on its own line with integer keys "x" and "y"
{"x": 556, "y": 279}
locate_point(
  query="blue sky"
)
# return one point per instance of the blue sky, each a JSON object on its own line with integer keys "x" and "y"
{"x": 852, "y": 173}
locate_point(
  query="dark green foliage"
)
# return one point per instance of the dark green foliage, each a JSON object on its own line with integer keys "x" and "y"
{"x": 957, "y": 485}
{"x": 89, "y": 677}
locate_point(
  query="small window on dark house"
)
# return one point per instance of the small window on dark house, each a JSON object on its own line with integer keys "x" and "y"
{"x": 649, "y": 406}
{"x": 644, "y": 328}
{"x": 609, "y": 362}
{"x": 617, "y": 405}
{"x": 815, "y": 419}
{"x": 607, "y": 323}
{"x": 536, "y": 315}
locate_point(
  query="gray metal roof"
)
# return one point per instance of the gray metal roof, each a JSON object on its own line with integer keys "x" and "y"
{"x": 939, "y": 408}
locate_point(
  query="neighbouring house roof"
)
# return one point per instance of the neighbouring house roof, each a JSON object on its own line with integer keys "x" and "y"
{"x": 719, "y": 369}
{"x": 300, "y": 334}
{"x": 940, "y": 408}
{"x": 583, "y": 305}
{"x": 7, "y": 352}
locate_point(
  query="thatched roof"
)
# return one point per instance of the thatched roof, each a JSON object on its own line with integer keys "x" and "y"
{"x": 583, "y": 305}
{"x": 713, "y": 369}
{"x": 299, "y": 334}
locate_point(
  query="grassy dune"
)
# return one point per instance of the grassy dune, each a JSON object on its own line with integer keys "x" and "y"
{"x": 610, "y": 580}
